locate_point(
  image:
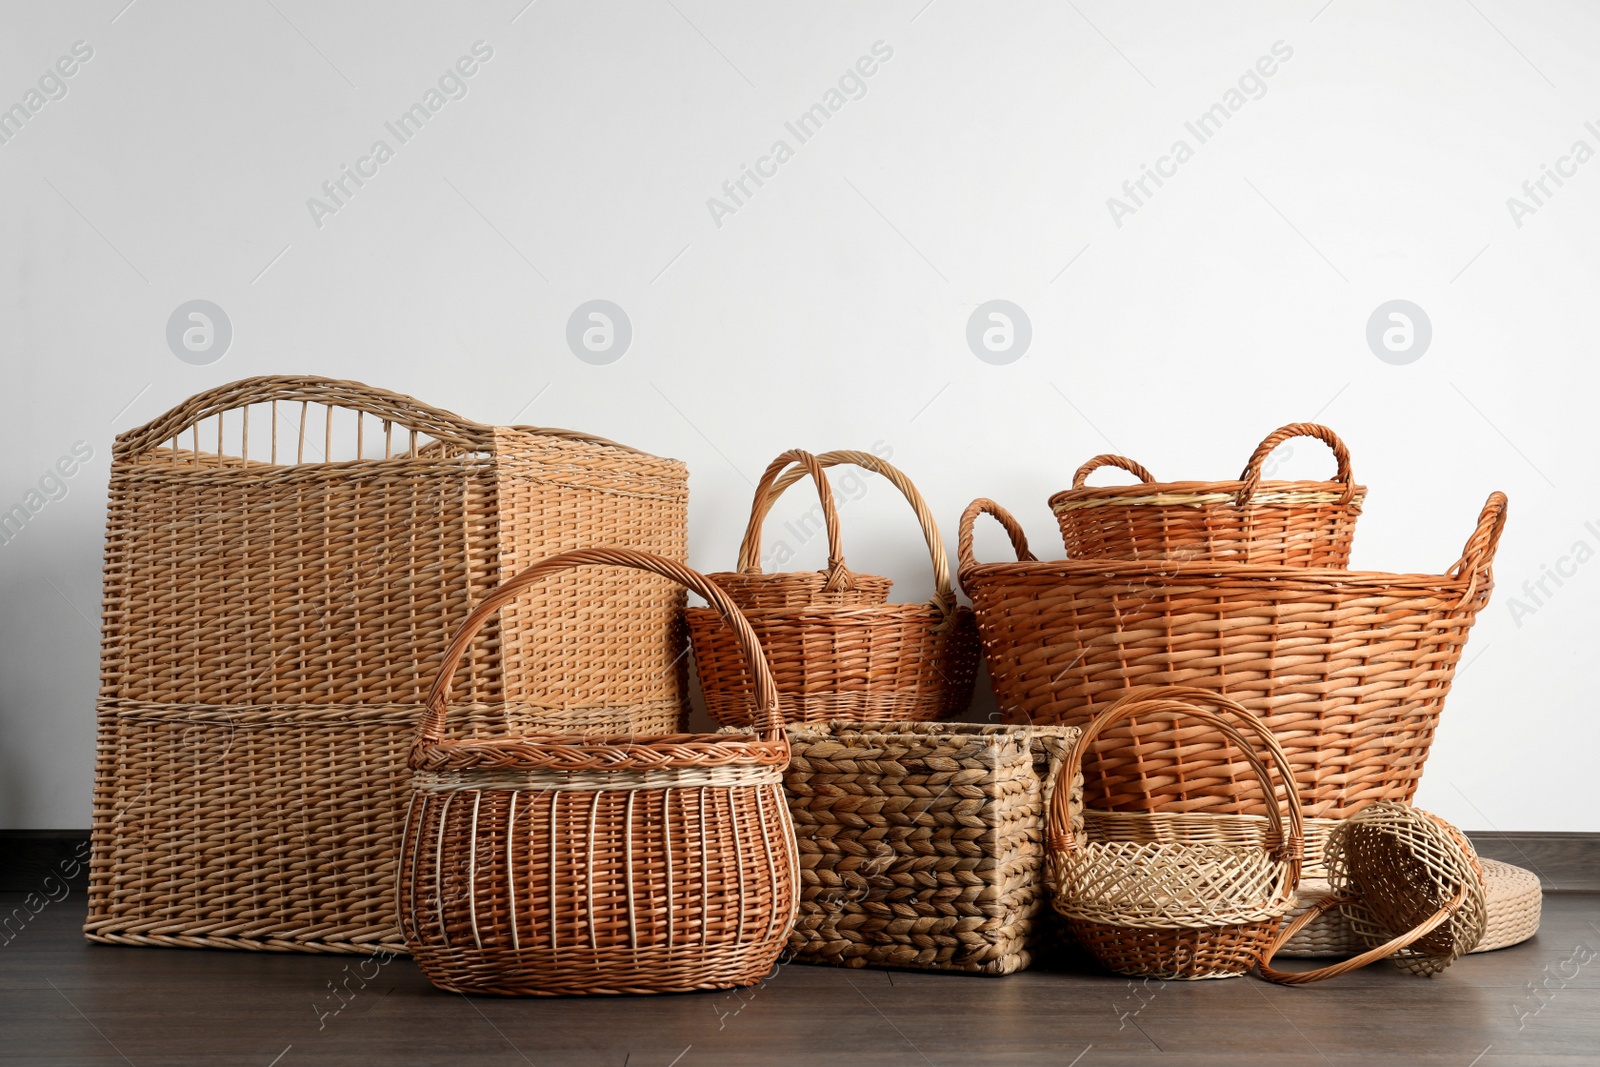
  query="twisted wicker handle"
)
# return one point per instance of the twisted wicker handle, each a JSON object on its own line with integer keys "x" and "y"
{"x": 397, "y": 408}
{"x": 944, "y": 597}
{"x": 965, "y": 560}
{"x": 1106, "y": 459}
{"x": 1372, "y": 955}
{"x": 1252, "y": 470}
{"x": 769, "y": 718}
{"x": 1477, "y": 558}
{"x": 1284, "y": 843}
{"x": 750, "y": 548}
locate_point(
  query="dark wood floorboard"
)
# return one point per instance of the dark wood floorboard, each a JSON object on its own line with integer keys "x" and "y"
{"x": 63, "y": 1001}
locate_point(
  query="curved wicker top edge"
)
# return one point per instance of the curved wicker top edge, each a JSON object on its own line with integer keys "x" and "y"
{"x": 436, "y": 422}
{"x": 838, "y": 613}
{"x": 1199, "y": 494}
{"x": 585, "y": 754}
{"x": 1174, "y": 572}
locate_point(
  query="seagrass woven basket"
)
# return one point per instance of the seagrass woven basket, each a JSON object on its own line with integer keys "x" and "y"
{"x": 1179, "y": 908}
{"x": 860, "y": 662}
{"x": 922, "y": 844}
{"x": 1408, "y": 884}
{"x": 286, "y": 559}
{"x": 1299, "y": 524}
{"x": 563, "y": 864}
{"x": 1348, "y": 669}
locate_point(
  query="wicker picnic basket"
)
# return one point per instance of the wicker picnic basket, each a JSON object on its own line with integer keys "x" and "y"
{"x": 286, "y": 559}
{"x": 1300, "y": 524}
{"x": 922, "y": 844}
{"x": 1179, "y": 908}
{"x": 562, "y": 864}
{"x": 1348, "y": 669}
{"x": 1410, "y": 887}
{"x": 860, "y": 662}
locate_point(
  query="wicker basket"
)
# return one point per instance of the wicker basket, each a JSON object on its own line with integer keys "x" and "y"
{"x": 559, "y": 865}
{"x": 921, "y": 844}
{"x": 834, "y": 586}
{"x": 1408, "y": 884}
{"x": 1297, "y": 524}
{"x": 1187, "y": 908}
{"x": 864, "y": 662}
{"x": 1348, "y": 669}
{"x": 286, "y": 559}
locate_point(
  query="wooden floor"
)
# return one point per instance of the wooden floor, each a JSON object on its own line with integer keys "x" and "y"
{"x": 66, "y": 1002}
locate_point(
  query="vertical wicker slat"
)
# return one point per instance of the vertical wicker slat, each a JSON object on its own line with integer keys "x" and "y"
{"x": 271, "y": 626}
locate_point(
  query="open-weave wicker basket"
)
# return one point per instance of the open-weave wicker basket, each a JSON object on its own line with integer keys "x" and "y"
{"x": 1301, "y": 524}
{"x": 860, "y": 662}
{"x": 286, "y": 559}
{"x": 1179, "y": 908}
{"x": 922, "y": 844}
{"x": 1408, "y": 884}
{"x": 558, "y": 865}
{"x": 1348, "y": 669}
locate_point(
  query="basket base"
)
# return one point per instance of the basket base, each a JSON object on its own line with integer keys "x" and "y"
{"x": 1182, "y": 955}
{"x": 607, "y": 971}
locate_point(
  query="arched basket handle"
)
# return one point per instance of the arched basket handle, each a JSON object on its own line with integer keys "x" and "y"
{"x": 768, "y": 491}
{"x": 1252, "y": 470}
{"x": 1477, "y": 557}
{"x": 1106, "y": 459}
{"x": 1372, "y": 955}
{"x": 769, "y": 720}
{"x": 944, "y": 596}
{"x": 965, "y": 560}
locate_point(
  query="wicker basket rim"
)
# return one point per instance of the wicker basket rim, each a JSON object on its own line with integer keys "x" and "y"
{"x": 587, "y": 753}
{"x": 843, "y": 612}
{"x": 921, "y": 731}
{"x": 1199, "y": 494}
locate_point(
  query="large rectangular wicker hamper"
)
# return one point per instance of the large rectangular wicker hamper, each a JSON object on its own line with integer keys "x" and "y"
{"x": 922, "y": 844}
{"x": 286, "y": 560}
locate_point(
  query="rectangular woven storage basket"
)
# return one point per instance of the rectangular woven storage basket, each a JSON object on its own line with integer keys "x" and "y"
{"x": 921, "y": 844}
{"x": 286, "y": 559}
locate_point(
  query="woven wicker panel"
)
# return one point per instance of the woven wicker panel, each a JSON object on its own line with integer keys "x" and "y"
{"x": 921, "y": 845}
{"x": 1295, "y": 524}
{"x": 1348, "y": 669}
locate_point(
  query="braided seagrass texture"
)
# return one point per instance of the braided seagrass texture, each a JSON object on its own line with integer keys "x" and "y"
{"x": 1177, "y": 908}
{"x": 1348, "y": 669}
{"x": 1295, "y": 524}
{"x": 1410, "y": 888}
{"x": 867, "y": 662}
{"x": 286, "y": 559}
{"x": 563, "y": 865}
{"x": 921, "y": 844}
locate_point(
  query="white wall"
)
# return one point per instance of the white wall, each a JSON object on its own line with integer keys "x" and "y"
{"x": 830, "y": 309}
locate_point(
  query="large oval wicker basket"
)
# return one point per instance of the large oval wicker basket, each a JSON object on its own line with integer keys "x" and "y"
{"x": 1348, "y": 669}
{"x": 1190, "y": 907}
{"x": 862, "y": 662}
{"x": 1298, "y": 524}
{"x": 562, "y": 864}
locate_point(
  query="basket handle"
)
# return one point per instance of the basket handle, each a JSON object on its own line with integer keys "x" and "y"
{"x": 1252, "y": 470}
{"x": 965, "y": 560}
{"x": 769, "y": 720}
{"x": 1477, "y": 558}
{"x": 1284, "y": 842}
{"x": 392, "y": 407}
{"x": 750, "y": 548}
{"x": 1372, "y": 955}
{"x": 944, "y": 597}
{"x": 1106, "y": 459}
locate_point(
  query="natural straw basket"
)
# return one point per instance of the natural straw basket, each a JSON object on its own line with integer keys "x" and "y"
{"x": 1178, "y": 909}
{"x": 1299, "y": 524}
{"x": 1410, "y": 886}
{"x": 867, "y": 662}
{"x": 1348, "y": 669}
{"x": 834, "y": 586}
{"x": 559, "y": 865}
{"x": 922, "y": 844}
{"x": 286, "y": 559}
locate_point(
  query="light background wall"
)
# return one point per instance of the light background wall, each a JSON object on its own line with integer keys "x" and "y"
{"x": 830, "y": 310}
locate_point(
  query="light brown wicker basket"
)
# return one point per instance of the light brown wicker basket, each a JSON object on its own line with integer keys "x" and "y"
{"x": 1408, "y": 884}
{"x": 286, "y": 559}
{"x": 921, "y": 844}
{"x": 559, "y": 865}
{"x": 1185, "y": 908}
{"x": 862, "y": 662}
{"x": 1348, "y": 669}
{"x": 1298, "y": 524}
